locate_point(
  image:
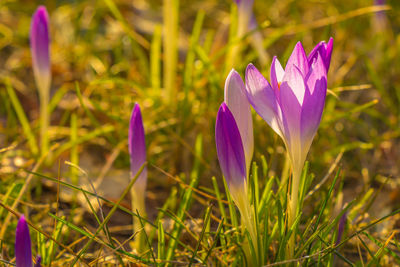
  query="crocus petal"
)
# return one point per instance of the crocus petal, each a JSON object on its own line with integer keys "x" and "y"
{"x": 328, "y": 54}
{"x": 39, "y": 39}
{"x": 262, "y": 97}
{"x": 325, "y": 51}
{"x": 298, "y": 58}
{"x": 314, "y": 101}
{"x": 137, "y": 148}
{"x": 236, "y": 100}
{"x": 277, "y": 74}
{"x": 295, "y": 80}
{"x": 230, "y": 148}
{"x": 23, "y": 251}
{"x": 290, "y": 103}
{"x": 317, "y": 72}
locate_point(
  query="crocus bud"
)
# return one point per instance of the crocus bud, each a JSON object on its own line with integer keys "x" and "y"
{"x": 232, "y": 161}
{"x": 236, "y": 100}
{"x": 38, "y": 261}
{"x": 137, "y": 152}
{"x": 23, "y": 251}
{"x": 230, "y": 153}
{"x": 39, "y": 38}
{"x": 292, "y": 105}
{"x": 342, "y": 224}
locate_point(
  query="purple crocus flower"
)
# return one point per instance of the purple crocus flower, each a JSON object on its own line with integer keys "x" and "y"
{"x": 39, "y": 38}
{"x": 23, "y": 251}
{"x": 293, "y": 103}
{"x": 230, "y": 151}
{"x": 236, "y": 100}
{"x": 232, "y": 161}
{"x": 137, "y": 152}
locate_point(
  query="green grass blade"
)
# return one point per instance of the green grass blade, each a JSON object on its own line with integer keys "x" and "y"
{"x": 22, "y": 118}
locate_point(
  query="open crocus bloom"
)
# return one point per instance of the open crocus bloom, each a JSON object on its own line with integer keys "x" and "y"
{"x": 293, "y": 103}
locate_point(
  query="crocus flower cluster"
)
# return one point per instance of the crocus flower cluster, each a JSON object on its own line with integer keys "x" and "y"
{"x": 23, "y": 250}
{"x": 291, "y": 104}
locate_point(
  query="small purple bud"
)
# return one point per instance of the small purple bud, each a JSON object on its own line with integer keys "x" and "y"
{"x": 23, "y": 251}
{"x": 230, "y": 149}
{"x": 137, "y": 148}
{"x": 342, "y": 224}
{"x": 38, "y": 261}
{"x": 39, "y": 38}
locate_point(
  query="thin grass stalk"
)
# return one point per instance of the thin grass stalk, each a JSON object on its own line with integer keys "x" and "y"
{"x": 171, "y": 19}
{"x": 155, "y": 56}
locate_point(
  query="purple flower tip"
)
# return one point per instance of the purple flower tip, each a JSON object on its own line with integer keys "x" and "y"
{"x": 38, "y": 261}
{"x": 342, "y": 224}
{"x": 137, "y": 147}
{"x": 39, "y": 39}
{"x": 23, "y": 251}
{"x": 325, "y": 51}
{"x": 229, "y": 147}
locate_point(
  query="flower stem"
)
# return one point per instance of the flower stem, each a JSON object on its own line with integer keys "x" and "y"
{"x": 44, "y": 120}
{"x": 248, "y": 221}
{"x": 138, "y": 206}
{"x": 292, "y": 209}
